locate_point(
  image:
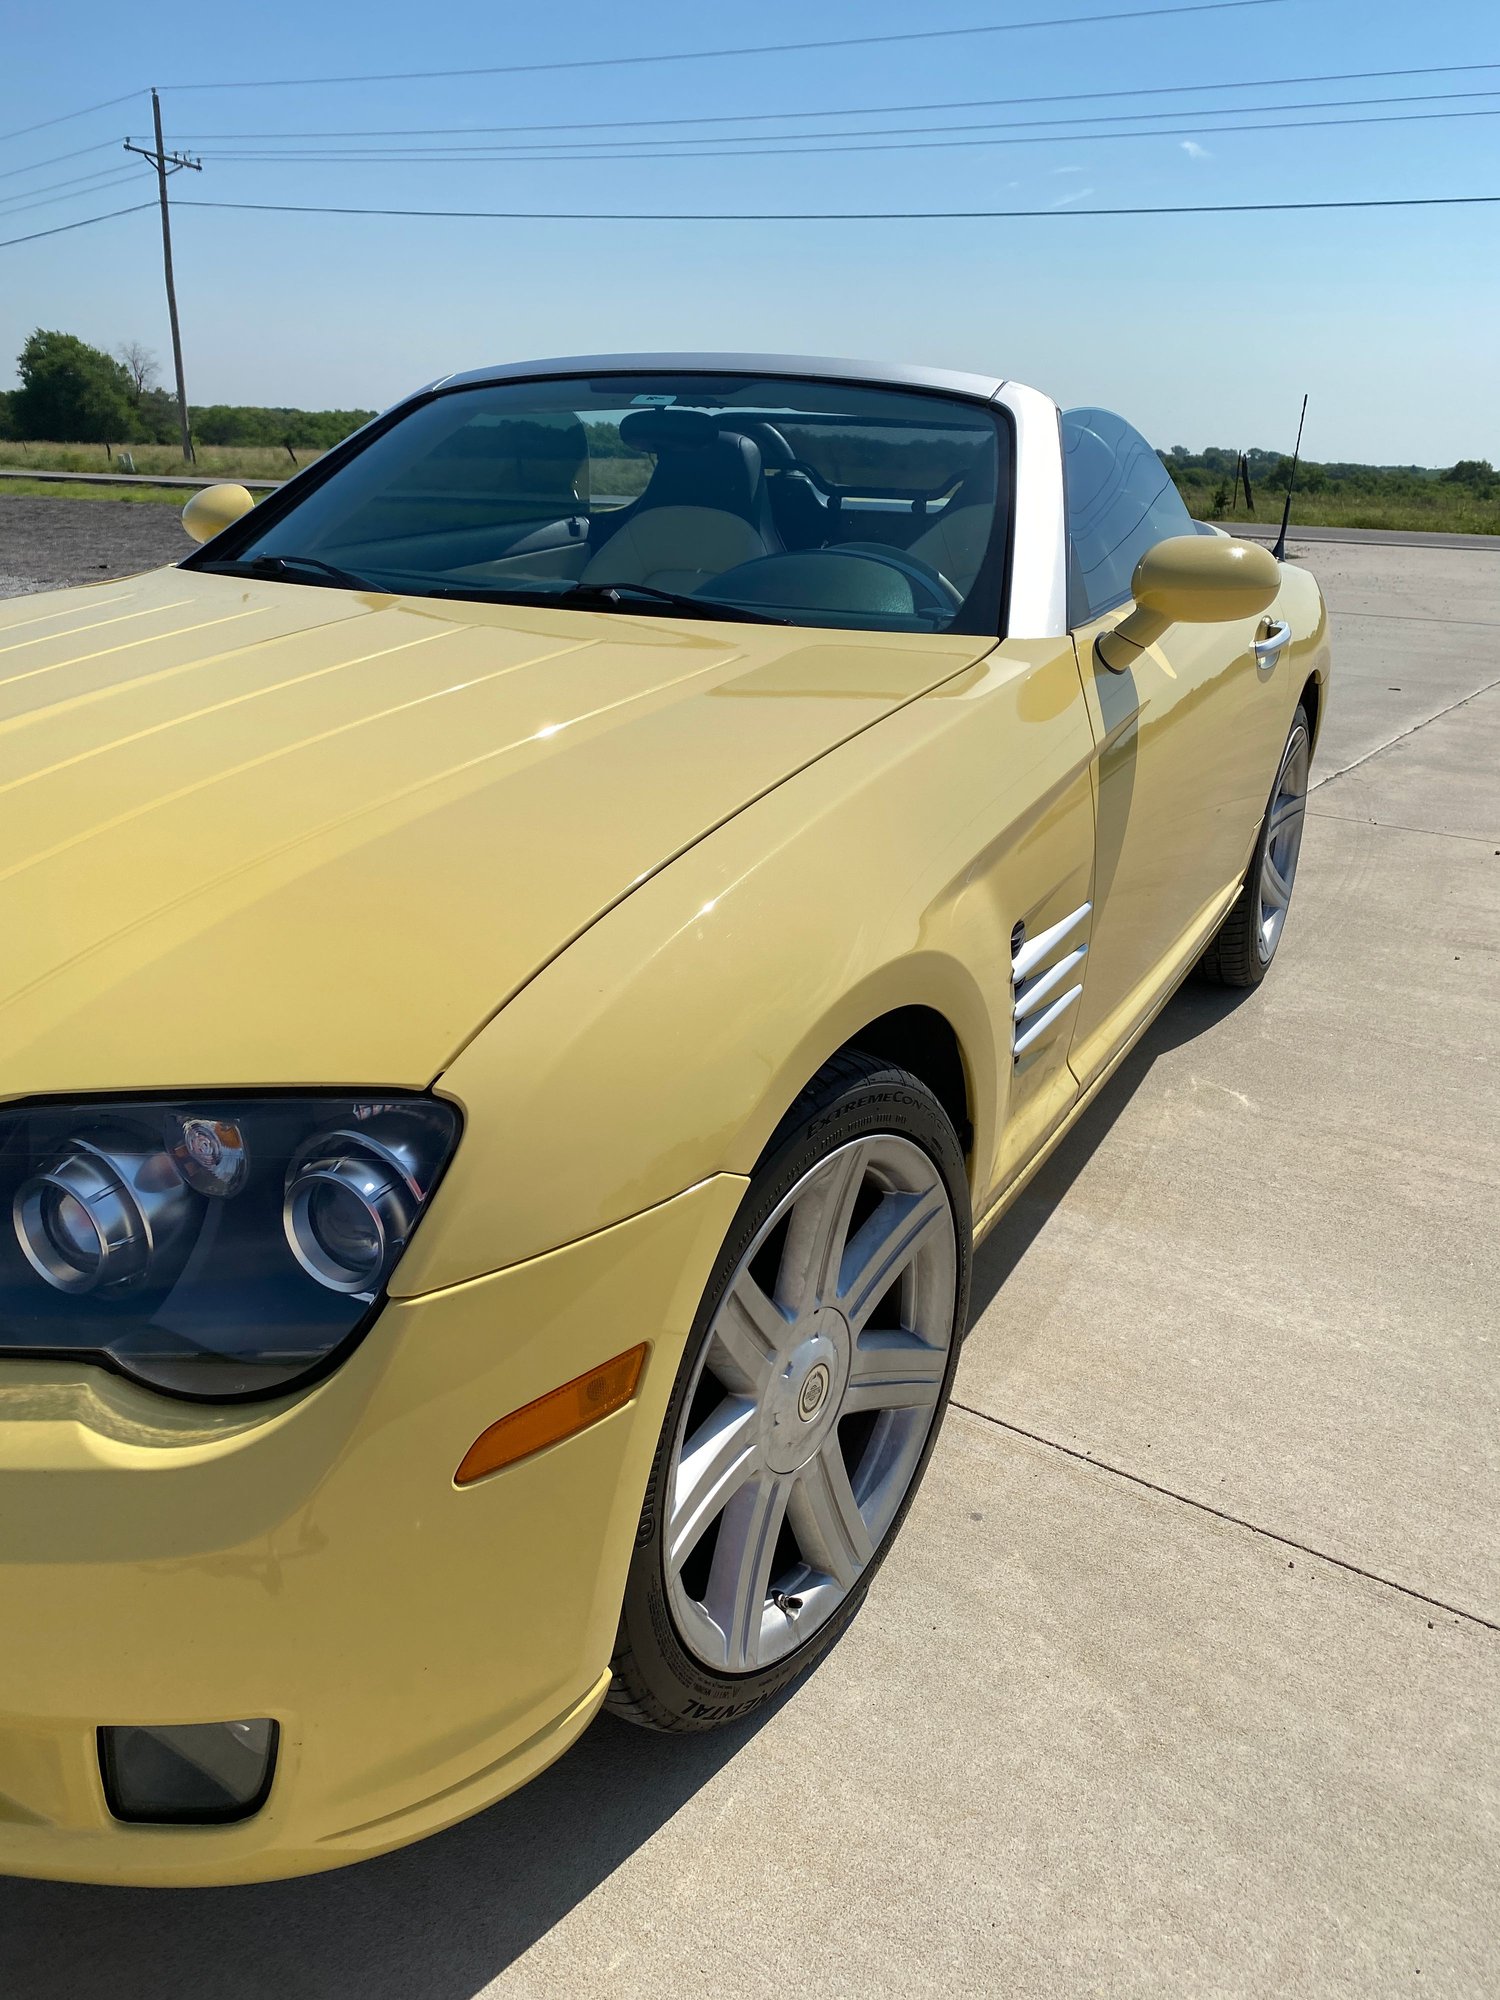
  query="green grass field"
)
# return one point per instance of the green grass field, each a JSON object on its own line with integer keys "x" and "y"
{"x": 1440, "y": 509}
{"x": 221, "y": 461}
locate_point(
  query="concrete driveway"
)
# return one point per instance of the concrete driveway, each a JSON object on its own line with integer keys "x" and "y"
{"x": 1184, "y": 1678}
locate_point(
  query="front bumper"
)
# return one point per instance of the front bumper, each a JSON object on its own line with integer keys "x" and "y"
{"x": 424, "y": 1648}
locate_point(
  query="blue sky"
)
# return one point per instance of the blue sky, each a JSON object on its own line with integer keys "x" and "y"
{"x": 1199, "y": 328}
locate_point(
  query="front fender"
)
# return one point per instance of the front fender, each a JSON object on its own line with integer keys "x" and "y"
{"x": 666, "y": 1043}
{"x": 1300, "y": 603}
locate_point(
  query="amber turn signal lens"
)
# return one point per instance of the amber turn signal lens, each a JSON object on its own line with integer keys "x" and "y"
{"x": 560, "y": 1414}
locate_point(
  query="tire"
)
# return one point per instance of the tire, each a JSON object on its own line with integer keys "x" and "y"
{"x": 1245, "y": 943}
{"x": 748, "y": 1562}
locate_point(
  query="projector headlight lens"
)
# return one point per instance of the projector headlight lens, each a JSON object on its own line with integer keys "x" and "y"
{"x": 212, "y": 1248}
{"x": 101, "y": 1211}
{"x": 352, "y": 1199}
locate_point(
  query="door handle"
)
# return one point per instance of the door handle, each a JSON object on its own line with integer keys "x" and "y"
{"x": 1269, "y": 648}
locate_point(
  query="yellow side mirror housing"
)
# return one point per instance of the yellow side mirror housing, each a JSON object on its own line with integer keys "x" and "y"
{"x": 217, "y": 507}
{"x": 1191, "y": 580}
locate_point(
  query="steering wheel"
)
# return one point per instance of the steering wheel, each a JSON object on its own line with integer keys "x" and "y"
{"x": 945, "y": 594}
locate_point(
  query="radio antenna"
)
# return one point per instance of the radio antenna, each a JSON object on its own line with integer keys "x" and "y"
{"x": 1286, "y": 513}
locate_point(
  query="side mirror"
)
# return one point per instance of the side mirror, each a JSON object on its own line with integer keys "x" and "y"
{"x": 1191, "y": 580}
{"x": 208, "y": 513}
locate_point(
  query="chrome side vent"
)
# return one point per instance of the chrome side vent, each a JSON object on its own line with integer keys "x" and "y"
{"x": 1043, "y": 982}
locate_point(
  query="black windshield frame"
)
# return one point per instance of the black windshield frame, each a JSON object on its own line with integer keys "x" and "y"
{"x": 985, "y": 611}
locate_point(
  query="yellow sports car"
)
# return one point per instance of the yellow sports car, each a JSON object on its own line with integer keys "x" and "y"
{"x": 529, "y": 960}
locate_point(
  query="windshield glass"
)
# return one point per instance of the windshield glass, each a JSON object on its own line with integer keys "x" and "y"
{"x": 814, "y": 503}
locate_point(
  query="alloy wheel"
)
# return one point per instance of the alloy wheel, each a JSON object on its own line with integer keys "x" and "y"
{"x": 815, "y": 1392}
{"x": 1278, "y": 871}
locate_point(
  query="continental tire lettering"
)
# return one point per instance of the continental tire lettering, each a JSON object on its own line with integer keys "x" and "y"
{"x": 724, "y": 1711}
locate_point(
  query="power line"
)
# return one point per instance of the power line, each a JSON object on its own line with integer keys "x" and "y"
{"x": 856, "y": 110}
{"x": 859, "y": 215}
{"x": 23, "y": 194}
{"x": 775, "y": 142}
{"x": 64, "y": 116}
{"x": 96, "y": 183}
{"x": 898, "y": 146}
{"x": 756, "y": 49}
{"x": 61, "y": 228}
{"x": 844, "y": 215}
{"x": 56, "y": 159}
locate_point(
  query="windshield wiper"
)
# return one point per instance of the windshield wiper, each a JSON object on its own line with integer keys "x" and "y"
{"x": 288, "y": 566}
{"x": 679, "y": 600}
{"x": 611, "y": 597}
{"x": 594, "y": 595}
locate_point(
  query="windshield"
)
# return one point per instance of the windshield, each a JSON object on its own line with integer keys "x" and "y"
{"x": 813, "y": 503}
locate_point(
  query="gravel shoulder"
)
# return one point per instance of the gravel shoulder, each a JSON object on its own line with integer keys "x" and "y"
{"x": 45, "y": 544}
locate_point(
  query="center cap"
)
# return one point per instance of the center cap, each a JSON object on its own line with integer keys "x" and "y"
{"x": 815, "y": 1387}
{"x": 801, "y": 1403}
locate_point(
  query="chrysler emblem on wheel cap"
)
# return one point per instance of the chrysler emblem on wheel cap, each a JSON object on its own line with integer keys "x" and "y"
{"x": 814, "y": 1393}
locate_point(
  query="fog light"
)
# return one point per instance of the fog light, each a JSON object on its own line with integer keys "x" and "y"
{"x": 196, "y": 1772}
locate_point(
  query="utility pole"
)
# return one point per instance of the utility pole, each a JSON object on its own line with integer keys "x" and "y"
{"x": 170, "y": 163}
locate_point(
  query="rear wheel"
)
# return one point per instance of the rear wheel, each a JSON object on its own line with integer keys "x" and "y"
{"x": 1246, "y": 941}
{"x": 807, "y": 1403}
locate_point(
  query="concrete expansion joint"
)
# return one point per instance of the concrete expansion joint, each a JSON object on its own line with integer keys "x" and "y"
{"x": 1400, "y": 826}
{"x": 1400, "y": 737}
{"x": 1221, "y": 1514}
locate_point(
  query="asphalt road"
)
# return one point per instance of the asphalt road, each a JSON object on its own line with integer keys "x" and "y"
{"x": 1184, "y": 1676}
{"x": 1386, "y": 538}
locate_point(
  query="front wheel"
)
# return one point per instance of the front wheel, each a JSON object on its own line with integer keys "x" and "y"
{"x": 1246, "y": 941}
{"x": 807, "y": 1402}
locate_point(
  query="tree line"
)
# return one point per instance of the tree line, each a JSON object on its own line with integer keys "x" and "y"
{"x": 1271, "y": 471}
{"x": 71, "y": 393}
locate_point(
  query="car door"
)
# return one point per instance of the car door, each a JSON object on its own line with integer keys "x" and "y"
{"x": 1184, "y": 752}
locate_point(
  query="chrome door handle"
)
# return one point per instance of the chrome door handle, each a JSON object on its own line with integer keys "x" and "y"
{"x": 1268, "y": 648}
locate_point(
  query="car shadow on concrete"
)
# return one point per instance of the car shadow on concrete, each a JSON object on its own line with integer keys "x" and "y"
{"x": 445, "y": 1917}
{"x": 440, "y": 1919}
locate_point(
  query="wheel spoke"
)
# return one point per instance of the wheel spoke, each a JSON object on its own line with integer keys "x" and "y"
{"x": 739, "y": 1577}
{"x": 749, "y": 1333}
{"x": 1289, "y": 807}
{"x": 884, "y": 1247}
{"x": 825, "y": 1517}
{"x": 818, "y": 1231}
{"x": 894, "y": 1371}
{"x": 715, "y": 1463}
{"x": 1274, "y": 889}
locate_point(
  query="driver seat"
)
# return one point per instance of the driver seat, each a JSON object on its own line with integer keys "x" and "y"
{"x": 958, "y": 540}
{"x": 705, "y": 508}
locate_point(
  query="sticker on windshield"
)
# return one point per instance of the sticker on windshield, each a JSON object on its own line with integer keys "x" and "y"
{"x": 654, "y": 402}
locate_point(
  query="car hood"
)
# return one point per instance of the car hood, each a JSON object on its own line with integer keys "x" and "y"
{"x": 258, "y": 833}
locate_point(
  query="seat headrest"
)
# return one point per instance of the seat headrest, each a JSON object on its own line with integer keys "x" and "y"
{"x": 668, "y": 430}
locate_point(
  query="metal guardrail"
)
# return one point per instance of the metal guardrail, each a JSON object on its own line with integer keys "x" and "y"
{"x": 137, "y": 479}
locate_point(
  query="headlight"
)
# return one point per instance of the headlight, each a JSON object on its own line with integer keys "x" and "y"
{"x": 352, "y": 1199}
{"x": 213, "y": 1248}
